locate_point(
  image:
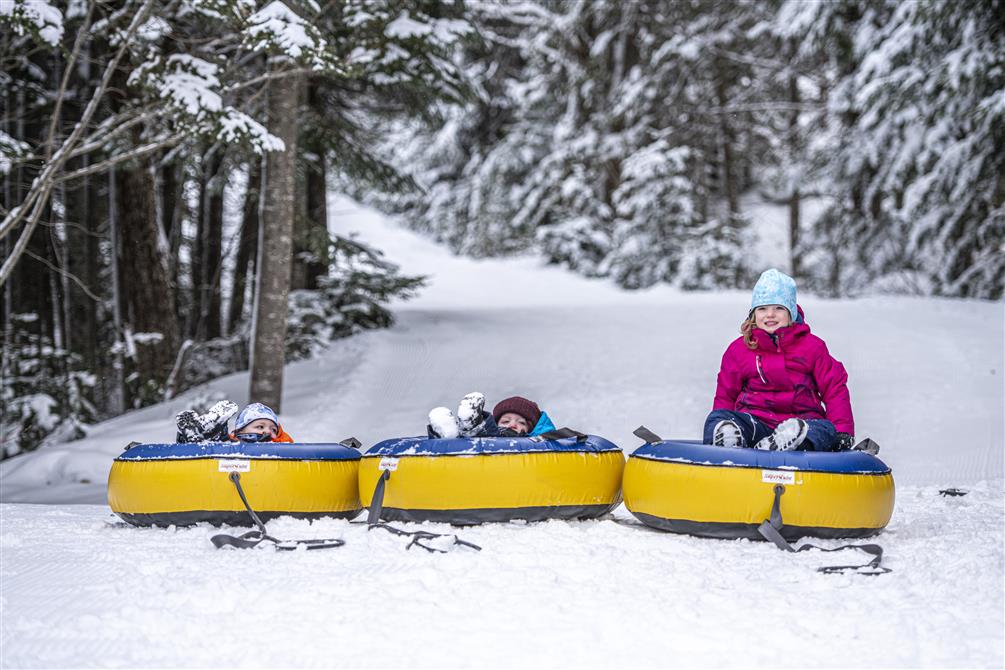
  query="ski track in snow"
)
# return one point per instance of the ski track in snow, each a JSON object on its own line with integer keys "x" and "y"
{"x": 81, "y": 589}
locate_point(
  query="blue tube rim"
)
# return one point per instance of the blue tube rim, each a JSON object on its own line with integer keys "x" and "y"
{"x": 695, "y": 453}
{"x": 284, "y": 451}
{"x": 403, "y": 447}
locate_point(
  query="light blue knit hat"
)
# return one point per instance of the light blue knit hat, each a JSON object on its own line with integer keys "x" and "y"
{"x": 775, "y": 288}
{"x": 253, "y": 412}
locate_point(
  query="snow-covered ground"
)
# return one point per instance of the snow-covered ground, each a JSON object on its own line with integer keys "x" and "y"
{"x": 81, "y": 589}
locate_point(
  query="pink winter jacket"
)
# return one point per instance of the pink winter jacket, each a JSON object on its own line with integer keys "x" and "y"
{"x": 797, "y": 377}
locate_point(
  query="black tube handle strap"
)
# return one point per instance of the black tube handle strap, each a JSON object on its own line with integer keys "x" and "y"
{"x": 253, "y": 538}
{"x": 560, "y": 434}
{"x": 377, "y": 507}
{"x": 770, "y": 529}
{"x": 377, "y": 500}
{"x": 646, "y": 435}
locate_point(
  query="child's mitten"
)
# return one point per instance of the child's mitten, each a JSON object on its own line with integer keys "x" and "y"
{"x": 189, "y": 427}
{"x": 442, "y": 423}
{"x": 844, "y": 442}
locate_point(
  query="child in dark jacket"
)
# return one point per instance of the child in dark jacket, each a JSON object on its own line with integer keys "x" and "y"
{"x": 255, "y": 423}
{"x": 511, "y": 417}
{"x": 778, "y": 387}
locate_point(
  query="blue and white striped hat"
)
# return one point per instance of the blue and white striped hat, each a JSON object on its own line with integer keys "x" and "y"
{"x": 775, "y": 288}
{"x": 253, "y": 412}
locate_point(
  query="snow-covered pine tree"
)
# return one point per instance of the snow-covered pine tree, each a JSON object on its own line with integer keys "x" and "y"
{"x": 577, "y": 103}
{"x": 189, "y": 79}
{"x": 915, "y": 149}
{"x": 351, "y": 298}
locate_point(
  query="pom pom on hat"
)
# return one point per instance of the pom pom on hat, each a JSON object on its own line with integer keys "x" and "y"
{"x": 254, "y": 412}
{"x": 775, "y": 288}
{"x": 528, "y": 409}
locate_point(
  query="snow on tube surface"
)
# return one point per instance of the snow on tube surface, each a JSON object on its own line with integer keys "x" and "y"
{"x": 474, "y": 480}
{"x": 699, "y": 489}
{"x": 182, "y": 484}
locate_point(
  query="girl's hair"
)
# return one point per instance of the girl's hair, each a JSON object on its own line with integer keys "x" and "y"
{"x": 747, "y": 328}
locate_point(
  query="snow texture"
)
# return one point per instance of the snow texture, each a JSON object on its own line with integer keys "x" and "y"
{"x": 278, "y": 26}
{"x": 81, "y": 589}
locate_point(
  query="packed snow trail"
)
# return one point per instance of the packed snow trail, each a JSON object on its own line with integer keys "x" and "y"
{"x": 81, "y": 589}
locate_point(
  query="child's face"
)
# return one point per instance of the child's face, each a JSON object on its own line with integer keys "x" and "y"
{"x": 770, "y": 318}
{"x": 514, "y": 422}
{"x": 262, "y": 427}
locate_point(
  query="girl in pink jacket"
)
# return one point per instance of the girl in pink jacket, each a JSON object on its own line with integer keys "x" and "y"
{"x": 778, "y": 386}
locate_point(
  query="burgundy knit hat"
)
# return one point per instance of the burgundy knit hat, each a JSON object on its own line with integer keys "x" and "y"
{"x": 528, "y": 409}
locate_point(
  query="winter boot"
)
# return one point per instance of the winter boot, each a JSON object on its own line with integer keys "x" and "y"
{"x": 208, "y": 427}
{"x": 442, "y": 423}
{"x": 471, "y": 414}
{"x": 214, "y": 421}
{"x": 787, "y": 436}
{"x": 727, "y": 434}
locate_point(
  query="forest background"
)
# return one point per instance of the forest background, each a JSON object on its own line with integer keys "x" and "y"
{"x": 165, "y": 166}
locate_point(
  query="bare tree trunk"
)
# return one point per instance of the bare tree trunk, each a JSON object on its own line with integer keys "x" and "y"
{"x": 247, "y": 246}
{"x": 145, "y": 276}
{"x": 794, "y": 196}
{"x": 310, "y": 239}
{"x": 209, "y": 248}
{"x": 117, "y": 395}
{"x": 215, "y": 179}
{"x": 30, "y": 278}
{"x": 310, "y": 259}
{"x": 730, "y": 188}
{"x": 275, "y": 247}
{"x": 197, "y": 259}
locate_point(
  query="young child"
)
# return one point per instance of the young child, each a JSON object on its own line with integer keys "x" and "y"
{"x": 258, "y": 423}
{"x": 511, "y": 417}
{"x": 778, "y": 386}
{"x": 255, "y": 423}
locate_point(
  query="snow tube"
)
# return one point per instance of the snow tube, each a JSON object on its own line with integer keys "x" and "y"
{"x": 474, "y": 480}
{"x": 183, "y": 484}
{"x": 698, "y": 489}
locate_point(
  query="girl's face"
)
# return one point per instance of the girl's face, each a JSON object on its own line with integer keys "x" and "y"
{"x": 770, "y": 318}
{"x": 514, "y": 422}
{"x": 262, "y": 427}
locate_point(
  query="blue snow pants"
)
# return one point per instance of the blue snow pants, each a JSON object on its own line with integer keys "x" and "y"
{"x": 820, "y": 435}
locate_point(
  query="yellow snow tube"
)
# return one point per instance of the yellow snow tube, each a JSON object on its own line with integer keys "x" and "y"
{"x": 183, "y": 484}
{"x": 709, "y": 491}
{"x": 474, "y": 480}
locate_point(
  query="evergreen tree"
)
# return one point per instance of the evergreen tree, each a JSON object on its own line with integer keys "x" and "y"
{"x": 915, "y": 149}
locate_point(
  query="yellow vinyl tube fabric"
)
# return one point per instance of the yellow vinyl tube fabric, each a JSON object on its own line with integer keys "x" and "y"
{"x": 497, "y": 481}
{"x": 717, "y": 494}
{"x": 271, "y": 485}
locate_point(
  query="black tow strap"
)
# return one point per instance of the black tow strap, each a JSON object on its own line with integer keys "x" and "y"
{"x": 771, "y": 527}
{"x": 253, "y": 538}
{"x": 646, "y": 435}
{"x": 560, "y": 434}
{"x": 418, "y": 536}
